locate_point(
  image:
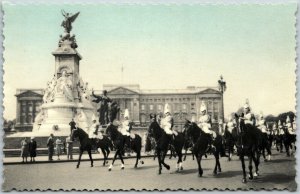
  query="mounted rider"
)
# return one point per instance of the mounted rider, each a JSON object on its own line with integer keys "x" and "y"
{"x": 126, "y": 126}
{"x": 289, "y": 126}
{"x": 262, "y": 124}
{"x": 280, "y": 128}
{"x": 230, "y": 124}
{"x": 205, "y": 121}
{"x": 93, "y": 130}
{"x": 249, "y": 117}
{"x": 167, "y": 122}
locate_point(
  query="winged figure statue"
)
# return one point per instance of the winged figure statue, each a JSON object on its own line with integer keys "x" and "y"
{"x": 69, "y": 19}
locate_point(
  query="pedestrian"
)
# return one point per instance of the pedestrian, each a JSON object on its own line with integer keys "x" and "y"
{"x": 32, "y": 149}
{"x": 69, "y": 143}
{"x": 50, "y": 145}
{"x": 24, "y": 149}
{"x": 59, "y": 145}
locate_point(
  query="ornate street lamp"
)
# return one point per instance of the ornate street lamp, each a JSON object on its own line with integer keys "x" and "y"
{"x": 222, "y": 89}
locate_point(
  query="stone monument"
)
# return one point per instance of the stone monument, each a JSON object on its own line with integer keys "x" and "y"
{"x": 66, "y": 96}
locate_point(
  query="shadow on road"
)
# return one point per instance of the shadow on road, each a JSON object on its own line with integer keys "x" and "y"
{"x": 275, "y": 178}
{"x": 229, "y": 174}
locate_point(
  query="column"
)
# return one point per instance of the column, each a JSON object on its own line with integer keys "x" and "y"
{"x": 18, "y": 118}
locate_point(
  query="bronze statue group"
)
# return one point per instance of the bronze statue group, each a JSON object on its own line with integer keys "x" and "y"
{"x": 242, "y": 134}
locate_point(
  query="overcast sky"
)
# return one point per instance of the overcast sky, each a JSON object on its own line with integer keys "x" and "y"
{"x": 160, "y": 46}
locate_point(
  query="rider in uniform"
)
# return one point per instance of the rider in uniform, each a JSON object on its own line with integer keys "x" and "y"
{"x": 205, "y": 122}
{"x": 248, "y": 116}
{"x": 167, "y": 122}
{"x": 289, "y": 126}
{"x": 230, "y": 124}
{"x": 126, "y": 126}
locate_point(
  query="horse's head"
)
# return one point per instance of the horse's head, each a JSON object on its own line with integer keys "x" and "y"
{"x": 112, "y": 131}
{"x": 74, "y": 134}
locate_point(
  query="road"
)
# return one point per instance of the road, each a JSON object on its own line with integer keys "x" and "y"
{"x": 278, "y": 173}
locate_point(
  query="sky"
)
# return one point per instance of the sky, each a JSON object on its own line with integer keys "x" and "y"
{"x": 160, "y": 47}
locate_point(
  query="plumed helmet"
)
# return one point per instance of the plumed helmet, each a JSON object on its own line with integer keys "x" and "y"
{"x": 203, "y": 106}
{"x": 279, "y": 123}
{"x": 126, "y": 113}
{"x": 247, "y": 105}
{"x": 167, "y": 108}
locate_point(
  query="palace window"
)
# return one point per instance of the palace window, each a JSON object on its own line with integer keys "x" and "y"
{"x": 192, "y": 106}
{"x": 151, "y": 106}
{"x": 142, "y": 107}
{"x": 159, "y": 107}
{"x": 184, "y": 106}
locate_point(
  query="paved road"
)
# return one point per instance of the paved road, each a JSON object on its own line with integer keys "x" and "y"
{"x": 278, "y": 173}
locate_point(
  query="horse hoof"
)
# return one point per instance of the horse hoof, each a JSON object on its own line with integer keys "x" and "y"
{"x": 142, "y": 162}
{"x": 159, "y": 172}
{"x": 244, "y": 180}
{"x": 255, "y": 174}
{"x": 106, "y": 162}
{"x": 250, "y": 177}
{"x": 122, "y": 168}
{"x": 77, "y": 166}
{"x": 92, "y": 165}
{"x": 181, "y": 168}
{"x": 215, "y": 172}
{"x": 109, "y": 169}
{"x": 219, "y": 170}
{"x": 135, "y": 166}
{"x": 167, "y": 167}
{"x": 199, "y": 175}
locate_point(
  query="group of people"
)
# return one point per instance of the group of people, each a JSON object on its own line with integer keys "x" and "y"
{"x": 28, "y": 149}
{"x": 60, "y": 147}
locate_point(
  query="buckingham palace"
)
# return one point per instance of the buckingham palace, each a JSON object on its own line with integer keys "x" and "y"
{"x": 140, "y": 102}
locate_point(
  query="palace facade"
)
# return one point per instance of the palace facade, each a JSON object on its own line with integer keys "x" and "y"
{"x": 184, "y": 103}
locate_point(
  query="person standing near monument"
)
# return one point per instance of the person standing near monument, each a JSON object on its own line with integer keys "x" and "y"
{"x": 32, "y": 149}
{"x": 69, "y": 145}
{"x": 103, "y": 110}
{"x": 24, "y": 149}
{"x": 58, "y": 144}
{"x": 50, "y": 145}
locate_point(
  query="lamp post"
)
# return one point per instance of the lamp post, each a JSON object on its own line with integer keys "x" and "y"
{"x": 222, "y": 89}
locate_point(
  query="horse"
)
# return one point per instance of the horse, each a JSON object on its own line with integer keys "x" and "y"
{"x": 289, "y": 141}
{"x": 201, "y": 143}
{"x": 248, "y": 143}
{"x": 188, "y": 144}
{"x": 229, "y": 142}
{"x": 163, "y": 141}
{"x": 120, "y": 142}
{"x": 87, "y": 144}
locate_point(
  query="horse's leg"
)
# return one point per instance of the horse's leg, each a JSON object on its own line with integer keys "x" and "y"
{"x": 137, "y": 159}
{"x": 287, "y": 149}
{"x": 256, "y": 163}
{"x": 90, "y": 156}
{"x": 107, "y": 154}
{"x": 115, "y": 156}
{"x": 158, "y": 152}
{"x": 163, "y": 160}
{"x": 250, "y": 166}
{"x": 104, "y": 156}
{"x": 121, "y": 158}
{"x": 200, "y": 171}
{"x": 179, "y": 161}
{"x": 185, "y": 153}
{"x": 79, "y": 159}
{"x": 244, "y": 180}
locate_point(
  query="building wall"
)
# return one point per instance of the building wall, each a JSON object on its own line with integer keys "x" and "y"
{"x": 140, "y": 105}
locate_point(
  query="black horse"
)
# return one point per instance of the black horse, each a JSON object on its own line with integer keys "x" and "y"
{"x": 201, "y": 142}
{"x": 229, "y": 141}
{"x": 248, "y": 140}
{"x": 289, "y": 141}
{"x": 163, "y": 141}
{"x": 120, "y": 143}
{"x": 188, "y": 145}
{"x": 87, "y": 144}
